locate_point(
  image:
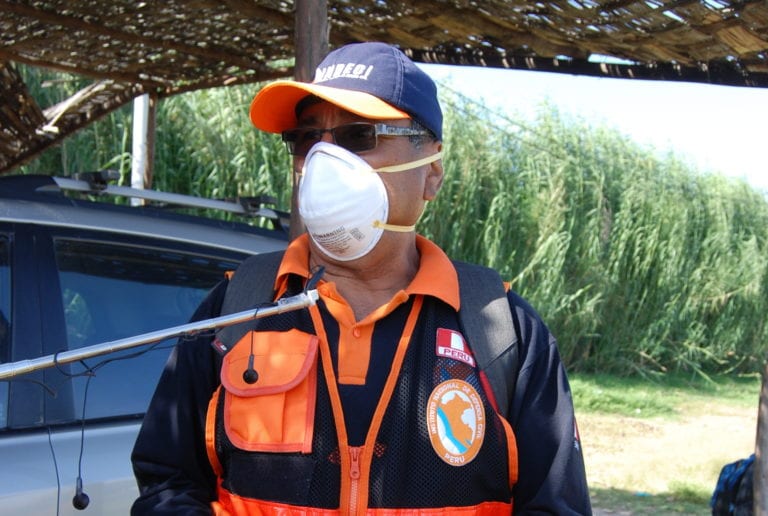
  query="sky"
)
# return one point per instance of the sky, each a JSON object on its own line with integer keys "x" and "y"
{"x": 720, "y": 129}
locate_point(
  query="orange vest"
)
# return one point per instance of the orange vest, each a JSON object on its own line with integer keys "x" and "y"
{"x": 435, "y": 444}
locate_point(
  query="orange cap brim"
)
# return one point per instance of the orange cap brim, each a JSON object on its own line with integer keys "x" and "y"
{"x": 273, "y": 109}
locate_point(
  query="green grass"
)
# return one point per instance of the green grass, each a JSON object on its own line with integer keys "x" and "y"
{"x": 662, "y": 396}
{"x": 683, "y": 501}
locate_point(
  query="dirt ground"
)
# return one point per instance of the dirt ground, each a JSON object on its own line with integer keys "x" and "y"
{"x": 659, "y": 455}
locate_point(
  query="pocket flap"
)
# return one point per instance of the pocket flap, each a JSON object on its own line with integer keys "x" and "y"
{"x": 281, "y": 360}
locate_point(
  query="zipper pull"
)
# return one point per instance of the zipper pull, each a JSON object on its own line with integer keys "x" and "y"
{"x": 354, "y": 465}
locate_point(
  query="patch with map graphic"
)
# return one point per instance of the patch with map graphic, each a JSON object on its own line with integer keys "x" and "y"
{"x": 456, "y": 422}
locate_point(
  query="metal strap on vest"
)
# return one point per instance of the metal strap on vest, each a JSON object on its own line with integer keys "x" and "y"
{"x": 485, "y": 316}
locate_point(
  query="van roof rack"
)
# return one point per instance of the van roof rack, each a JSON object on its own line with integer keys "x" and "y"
{"x": 97, "y": 183}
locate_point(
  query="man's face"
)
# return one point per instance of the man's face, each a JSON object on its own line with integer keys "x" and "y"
{"x": 408, "y": 190}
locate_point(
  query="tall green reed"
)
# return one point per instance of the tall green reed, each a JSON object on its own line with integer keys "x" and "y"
{"x": 638, "y": 263}
{"x": 206, "y": 146}
{"x": 100, "y": 145}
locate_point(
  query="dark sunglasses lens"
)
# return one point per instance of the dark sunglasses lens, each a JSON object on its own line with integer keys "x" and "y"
{"x": 299, "y": 141}
{"x": 355, "y": 137}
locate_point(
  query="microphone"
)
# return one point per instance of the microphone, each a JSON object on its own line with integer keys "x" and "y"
{"x": 81, "y": 500}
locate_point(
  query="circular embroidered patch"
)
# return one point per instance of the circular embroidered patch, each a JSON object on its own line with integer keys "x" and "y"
{"x": 456, "y": 422}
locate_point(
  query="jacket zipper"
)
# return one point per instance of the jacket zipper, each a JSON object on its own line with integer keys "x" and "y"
{"x": 358, "y": 486}
{"x": 354, "y": 475}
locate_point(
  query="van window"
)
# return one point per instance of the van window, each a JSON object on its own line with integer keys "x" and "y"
{"x": 111, "y": 291}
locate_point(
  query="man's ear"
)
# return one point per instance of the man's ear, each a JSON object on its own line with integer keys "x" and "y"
{"x": 434, "y": 179}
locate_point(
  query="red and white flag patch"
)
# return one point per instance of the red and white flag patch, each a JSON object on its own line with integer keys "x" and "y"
{"x": 451, "y": 344}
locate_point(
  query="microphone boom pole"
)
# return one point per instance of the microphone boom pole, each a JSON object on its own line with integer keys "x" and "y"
{"x": 12, "y": 369}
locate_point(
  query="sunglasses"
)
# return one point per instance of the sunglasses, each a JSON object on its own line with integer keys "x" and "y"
{"x": 355, "y": 137}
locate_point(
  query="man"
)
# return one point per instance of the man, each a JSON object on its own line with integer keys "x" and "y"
{"x": 370, "y": 402}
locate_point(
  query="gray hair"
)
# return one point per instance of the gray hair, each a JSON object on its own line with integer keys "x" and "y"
{"x": 420, "y": 139}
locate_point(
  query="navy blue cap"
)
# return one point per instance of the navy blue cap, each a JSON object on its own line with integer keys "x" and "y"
{"x": 357, "y": 78}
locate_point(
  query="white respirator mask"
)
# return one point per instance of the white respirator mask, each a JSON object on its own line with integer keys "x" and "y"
{"x": 343, "y": 201}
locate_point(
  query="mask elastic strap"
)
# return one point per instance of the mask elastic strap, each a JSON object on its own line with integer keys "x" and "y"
{"x": 392, "y": 227}
{"x": 411, "y": 164}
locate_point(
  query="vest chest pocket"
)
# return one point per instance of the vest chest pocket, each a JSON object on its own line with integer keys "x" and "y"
{"x": 276, "y": 412}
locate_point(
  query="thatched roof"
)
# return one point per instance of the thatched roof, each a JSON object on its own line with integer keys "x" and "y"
{"x": 165, "y": 47}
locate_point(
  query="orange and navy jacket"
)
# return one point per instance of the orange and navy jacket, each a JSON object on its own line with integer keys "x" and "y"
{"x": 361, "y": 417}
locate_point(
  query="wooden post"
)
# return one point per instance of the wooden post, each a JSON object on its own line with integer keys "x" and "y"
{"x": 311, "y": 37}
{"x": 760, "y": 484}
{"x": 311, "y": 42}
